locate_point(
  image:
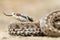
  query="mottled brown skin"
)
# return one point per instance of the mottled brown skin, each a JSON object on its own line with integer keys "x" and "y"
{"x": 52, "y": 24}
{"x": 25, "y": 29}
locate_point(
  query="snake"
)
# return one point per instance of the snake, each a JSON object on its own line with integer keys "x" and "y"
{"x": 48, "y": 25}
{"x": 26, "y": 26}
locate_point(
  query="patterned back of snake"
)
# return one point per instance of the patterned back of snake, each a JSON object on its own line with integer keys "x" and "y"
{"x": 51, "y": 24}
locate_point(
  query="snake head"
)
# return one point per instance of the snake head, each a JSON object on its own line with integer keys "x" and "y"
{"x": 16, "y": 14}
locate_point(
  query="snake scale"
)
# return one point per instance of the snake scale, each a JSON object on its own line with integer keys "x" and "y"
{"x": 48, "y": 25}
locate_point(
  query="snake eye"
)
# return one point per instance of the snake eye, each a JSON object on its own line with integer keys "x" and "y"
{"x": 18, "y": 14}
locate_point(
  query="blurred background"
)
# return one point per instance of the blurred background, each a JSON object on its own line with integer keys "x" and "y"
{"x": 33, "y": 8}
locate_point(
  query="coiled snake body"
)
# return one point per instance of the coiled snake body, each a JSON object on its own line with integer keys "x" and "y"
{"x": 48, "y": 25}
{"x": 25, "y": 29}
